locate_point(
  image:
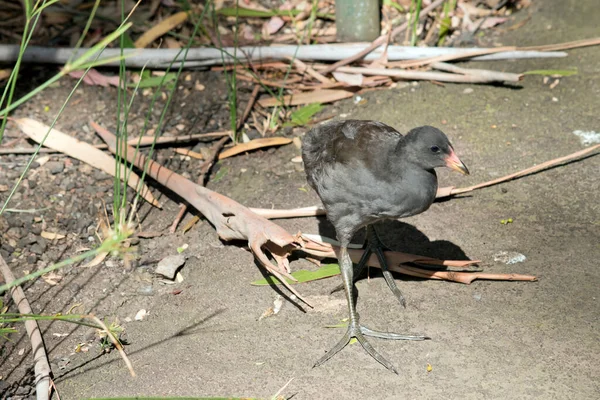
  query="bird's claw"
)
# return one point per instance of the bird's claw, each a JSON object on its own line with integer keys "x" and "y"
{"x": 359, "y": 332}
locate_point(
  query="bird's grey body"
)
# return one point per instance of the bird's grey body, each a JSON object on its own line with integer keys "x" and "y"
{"x": 366, "y": 171}
{"x": 361, "y": 187}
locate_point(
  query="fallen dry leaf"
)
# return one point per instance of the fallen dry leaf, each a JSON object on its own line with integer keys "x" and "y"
{"x": 3, "y": 188}
{"x": 82, "y": 151}
{"x": 350, "y": 79}
{"x": 492, "y": 21}
{"x": 95, "y": 78}
{"x": 52, "y": 235}
{"x": 160, "y": 29}
{"x": 4, "y": 73}
{"x": 253, "y": 145}
{"x": 52, "y": 278}
{"x": 316, "y": 96}
{"x": 272, "y": 26}
{"x": 189, "y": 153}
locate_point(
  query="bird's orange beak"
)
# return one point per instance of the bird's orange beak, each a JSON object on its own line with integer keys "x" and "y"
{"x": 453, "y": 162}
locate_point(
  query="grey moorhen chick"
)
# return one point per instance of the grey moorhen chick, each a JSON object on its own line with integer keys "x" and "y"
{"x": 364, "y": 172}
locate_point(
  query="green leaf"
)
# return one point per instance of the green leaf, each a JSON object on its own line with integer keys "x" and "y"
{"x": 154, "y": 81}
{"x": 220, "y": 174}
{"x": 128, "y": 42}
{"x": 303, "y": 115}
{"x": 342, "y": 325}
{"x": 391, "y": 3}
{"x": 326, "y": 271}
{"x": 552, "y": 72}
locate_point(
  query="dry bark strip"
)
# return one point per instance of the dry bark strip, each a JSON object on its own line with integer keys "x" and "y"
{"x": 42, "y": 368}
{"x": 232, "y": 220}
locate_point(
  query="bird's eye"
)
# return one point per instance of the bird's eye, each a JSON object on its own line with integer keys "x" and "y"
{"x": 434, "y": 149}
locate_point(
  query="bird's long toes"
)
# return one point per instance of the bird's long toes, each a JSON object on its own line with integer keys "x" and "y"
{"x": 373, "y": 353}
{"x": 390, "y": 335}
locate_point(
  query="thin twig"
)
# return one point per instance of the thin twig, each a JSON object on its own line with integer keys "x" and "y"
{"x": 447, "y": 57}
{"x": 303, "y": 68}
{"x": 484, "y": 73}
{"x": 563, "y": 46}
{"x": 441, "y": 193}
{"x": 537, "y": 168}
{"x": 249, "y": 106}
{"x": 435, "y": 76}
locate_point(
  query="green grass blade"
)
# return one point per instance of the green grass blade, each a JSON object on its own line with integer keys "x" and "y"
{"x": 326, "y": 271}
{"x": 552, "y": 72}
{"x": 303, "y": 115}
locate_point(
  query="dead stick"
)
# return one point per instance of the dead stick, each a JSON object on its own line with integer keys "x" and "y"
{"x": 303, "y": 68}
{"x": 506, "y": 76}
{"x": 249, "y": 106}
{"x": 447, "y": 57}
{"x": 426, "y": 75}
{"x": 40, "y": 358}
{"x": 381, "y": 40}
{"x": 460, "y": 277}
{"x": 528, "y": 171}
{"x": 563, "y": 46}
{"x": 145, "y": 141}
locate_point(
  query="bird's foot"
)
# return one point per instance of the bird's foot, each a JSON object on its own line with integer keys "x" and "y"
{"x": 359, "y": 332}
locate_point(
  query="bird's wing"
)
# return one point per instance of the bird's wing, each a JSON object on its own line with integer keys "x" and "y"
{"x": 354, "y": 143}
{"x": 364, "y": 141}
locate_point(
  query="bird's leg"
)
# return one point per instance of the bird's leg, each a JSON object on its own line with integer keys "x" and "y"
{"x": 374, "y": 244}
{"x": 377, "y": 246}
{"x": 354, "y": 327}
{"x": 360, "y": 267}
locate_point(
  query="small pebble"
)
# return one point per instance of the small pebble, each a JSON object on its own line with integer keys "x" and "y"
{"x": 587, "y": 138}
{"x": 141, "y": 315}
{"x": 468, "y": 90}
{"x": 55, "y": 167}
{"x": 477, "y": 296}
{"x": 169, "y": 265}
{"x": 509, "y": 257}
{"x": 36, "y": 249}
{"x": 146, "y": 290}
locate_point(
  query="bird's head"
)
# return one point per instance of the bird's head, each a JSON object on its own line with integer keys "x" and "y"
{"x": 430, "y": 148}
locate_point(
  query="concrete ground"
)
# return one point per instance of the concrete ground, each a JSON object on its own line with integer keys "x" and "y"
{"x": 490, "y": 340}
